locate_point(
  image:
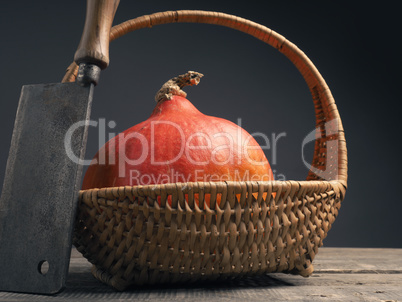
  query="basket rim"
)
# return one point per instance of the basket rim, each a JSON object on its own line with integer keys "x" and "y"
{"x": 280, "y": 187}
{"x": 226, "y": 183}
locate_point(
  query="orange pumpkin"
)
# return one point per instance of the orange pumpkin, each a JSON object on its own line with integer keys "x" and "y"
{"x": 178, "y": 143}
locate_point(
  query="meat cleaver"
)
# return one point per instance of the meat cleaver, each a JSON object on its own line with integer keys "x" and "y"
{"x": 43, "y": 174}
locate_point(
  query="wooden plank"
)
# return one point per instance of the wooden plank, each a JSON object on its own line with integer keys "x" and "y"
{"x": 334, "y": 287}
{"x": 352, "y": 260}
{"x": 342, "y": 274}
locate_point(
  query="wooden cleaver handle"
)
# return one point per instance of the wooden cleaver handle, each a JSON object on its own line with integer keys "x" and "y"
{"x": 94, "y": 44}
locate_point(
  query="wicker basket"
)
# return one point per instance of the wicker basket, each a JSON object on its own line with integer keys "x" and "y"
{"x": 258, "y": 227}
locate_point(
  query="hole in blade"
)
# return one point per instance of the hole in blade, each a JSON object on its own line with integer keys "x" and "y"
{"x": 43, "y": 267}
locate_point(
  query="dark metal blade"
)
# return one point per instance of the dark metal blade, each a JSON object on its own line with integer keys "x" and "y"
{"x": 39, "y": 197}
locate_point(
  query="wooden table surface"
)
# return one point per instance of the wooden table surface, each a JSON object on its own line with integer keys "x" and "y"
{"x": 341, "y": 274}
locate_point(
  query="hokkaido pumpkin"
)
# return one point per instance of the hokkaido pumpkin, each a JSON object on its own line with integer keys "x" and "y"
{"x": 178, "y": 143}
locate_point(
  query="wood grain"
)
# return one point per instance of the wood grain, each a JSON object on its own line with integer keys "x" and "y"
{"x": 342, "y": 274}
{"x": 94, "y": 45}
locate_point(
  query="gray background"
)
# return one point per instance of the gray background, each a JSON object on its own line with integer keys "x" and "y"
{"x": 355, "y": 46}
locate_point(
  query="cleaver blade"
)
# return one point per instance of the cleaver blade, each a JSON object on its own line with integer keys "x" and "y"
{"x": 41, "y": 186}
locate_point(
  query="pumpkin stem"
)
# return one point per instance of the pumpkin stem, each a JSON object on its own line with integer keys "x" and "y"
{"x": 174, "y": 86}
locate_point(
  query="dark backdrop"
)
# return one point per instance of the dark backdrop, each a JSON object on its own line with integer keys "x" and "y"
{"x": 354, "y": 45}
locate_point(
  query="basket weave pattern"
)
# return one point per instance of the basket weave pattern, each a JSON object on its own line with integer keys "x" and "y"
{"x": 258, "y": 227}
{"x": 132, "y": 239}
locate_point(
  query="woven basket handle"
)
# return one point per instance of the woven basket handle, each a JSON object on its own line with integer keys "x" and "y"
{"x": 330, "y": 154}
